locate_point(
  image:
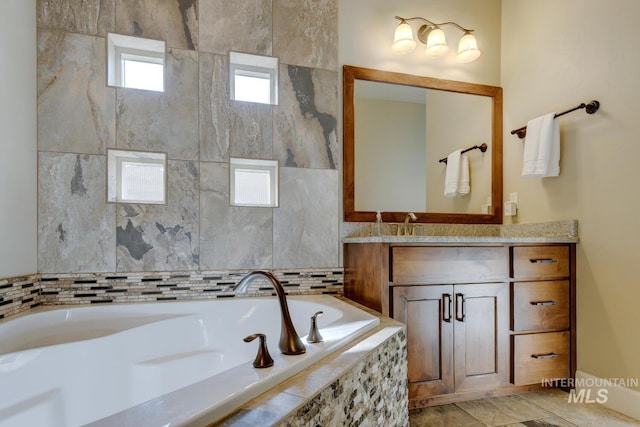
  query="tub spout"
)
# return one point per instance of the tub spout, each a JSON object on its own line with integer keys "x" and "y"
{"x": 290, "y": 342}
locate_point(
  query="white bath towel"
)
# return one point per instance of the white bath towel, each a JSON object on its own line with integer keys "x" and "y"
{"x": 542, "y": 148}
{"x": 456, "y": 180}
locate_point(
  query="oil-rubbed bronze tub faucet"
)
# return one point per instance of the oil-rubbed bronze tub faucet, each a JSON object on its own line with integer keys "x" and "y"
{"x": 290, "y": 342}
{"x": 263, "y": 358}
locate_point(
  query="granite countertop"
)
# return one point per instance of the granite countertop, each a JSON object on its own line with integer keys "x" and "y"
{"x": 545, "y": 232}
{"x": 458, "y": 239}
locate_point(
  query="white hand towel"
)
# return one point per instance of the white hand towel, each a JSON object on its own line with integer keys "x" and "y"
{"x": 463, "y": 180}
{"x": 542, "y": 148}
{"x": 456, "y": 180}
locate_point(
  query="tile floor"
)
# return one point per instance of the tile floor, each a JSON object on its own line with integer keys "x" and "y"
{"x": 538, "y": 409}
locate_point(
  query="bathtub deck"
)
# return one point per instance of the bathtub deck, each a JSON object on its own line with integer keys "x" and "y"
{"x": 292, "y": 401}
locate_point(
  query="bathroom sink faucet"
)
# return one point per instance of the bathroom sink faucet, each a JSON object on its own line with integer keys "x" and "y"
{"x": 290, "y": 342}
{"x": 410, "y": 216}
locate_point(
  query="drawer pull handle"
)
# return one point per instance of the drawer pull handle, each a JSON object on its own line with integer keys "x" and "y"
{"x": 543, "y": 261}
{"x": 460, "y": 307}
{"x": 447, "y": 303}
{"x": 542, "y": 303}
{"x": 544, "y": 356}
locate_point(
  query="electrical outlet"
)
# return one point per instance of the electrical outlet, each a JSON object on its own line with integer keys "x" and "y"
{"x": 513, "y": 197}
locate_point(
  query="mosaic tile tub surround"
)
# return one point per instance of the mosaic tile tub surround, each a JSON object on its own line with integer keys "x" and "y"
{"x": 374, "y": 392}
{"x": 364, "y": 384}
{"x": 20, "y": 294}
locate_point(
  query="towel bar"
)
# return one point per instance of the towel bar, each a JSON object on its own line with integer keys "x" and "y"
{"x": 590, "y": 108}
{"x": 482, "y": 147}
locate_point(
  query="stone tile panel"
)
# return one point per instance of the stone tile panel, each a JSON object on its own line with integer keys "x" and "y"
{"x": 230, "y": 128}
{"x": 174, "y": 21}
{"x": 305, "y": 33}
{"x": 91, "y": 17}
{"x": 76, "y": 109}
{"x": 305, "y": 226}
{"x": 163, "y": 121}
{"x": 162, "y": 237}
{"x": 239, "y": 25}
{"x": 305, "y": 121}
{"x": 231, "y": 236}
{"x": 76, "y": 226}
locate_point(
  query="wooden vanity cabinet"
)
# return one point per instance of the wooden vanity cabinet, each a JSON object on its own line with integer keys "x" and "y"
{"x": 542, "y": 313}
{"x": 475, "y": 314}
{"x": 456, "y": 336}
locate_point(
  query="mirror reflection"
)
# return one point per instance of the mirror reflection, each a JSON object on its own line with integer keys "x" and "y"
{"x": 402, "y": 132}
{"x": 398, "y": 128}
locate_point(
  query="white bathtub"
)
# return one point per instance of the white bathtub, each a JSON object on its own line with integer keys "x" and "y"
{"x": 74, "y": 366}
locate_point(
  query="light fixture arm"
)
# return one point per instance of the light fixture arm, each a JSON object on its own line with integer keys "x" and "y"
{"x": 433, "y": 24}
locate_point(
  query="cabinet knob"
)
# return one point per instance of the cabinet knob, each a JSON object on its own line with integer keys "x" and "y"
{"x": 542, "y": 303}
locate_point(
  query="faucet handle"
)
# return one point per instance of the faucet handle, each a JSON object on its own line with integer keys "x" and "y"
{"x": 263, "y": 358}
{"x": 314, "y": 335}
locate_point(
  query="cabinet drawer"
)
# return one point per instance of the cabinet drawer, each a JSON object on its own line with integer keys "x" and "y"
{"x": 540, "y": 305}
{"x": 448, "y": 264}
{"x": 540, "y": 356}
{"x": 540, "y": 262}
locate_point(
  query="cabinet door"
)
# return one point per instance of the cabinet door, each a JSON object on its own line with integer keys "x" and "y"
{"x": 481, "y": 336}
{"x": 427, "y": 312}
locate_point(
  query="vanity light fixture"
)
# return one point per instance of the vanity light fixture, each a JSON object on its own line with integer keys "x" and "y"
{"x": 433, "y": 37}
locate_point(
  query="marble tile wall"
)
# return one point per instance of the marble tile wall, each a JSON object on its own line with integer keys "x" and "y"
{"x": 194, "y": 122}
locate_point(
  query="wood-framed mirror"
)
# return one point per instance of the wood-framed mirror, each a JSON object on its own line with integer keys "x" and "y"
{"x": 385, "y": 116}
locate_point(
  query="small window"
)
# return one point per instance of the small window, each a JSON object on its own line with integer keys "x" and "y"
{"x": 253, "y": 182}
{"x": 135, "y": 63}
{"x": 253, "y": 78}
{"x": 136, "y": 177}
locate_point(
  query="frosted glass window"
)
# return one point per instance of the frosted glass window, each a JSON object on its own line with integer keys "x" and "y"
{"x": 253, "y": 78}
{"x": 135, "y": 62}
{"x": 253, "y": 88}
{"x": 136, "y": 177}
{"x": 140, "y": 74}
{"x": 141, "y": 181}
{"x": 253, "y": 182}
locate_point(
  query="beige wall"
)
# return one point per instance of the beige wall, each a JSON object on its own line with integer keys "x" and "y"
{"x": 556, "y": 54}
{"x": 17, "y": 137}
{"x": 366, "y": 33}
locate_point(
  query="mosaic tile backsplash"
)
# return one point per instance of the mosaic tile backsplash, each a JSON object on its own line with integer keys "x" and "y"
{"x": 20, "y": 294}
